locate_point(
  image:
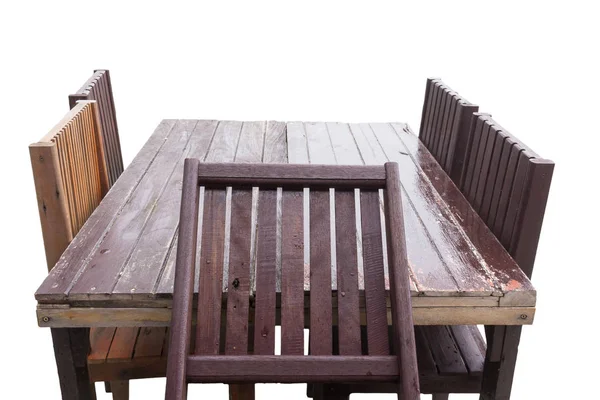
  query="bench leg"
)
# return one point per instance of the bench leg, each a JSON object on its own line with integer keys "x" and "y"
{"x": 120, "y": 390}
{"x": 71, "y": 348}
{"x": 241, "y": 392}
{"x": 440, "y": 396}
{"x": 501, "y": 358}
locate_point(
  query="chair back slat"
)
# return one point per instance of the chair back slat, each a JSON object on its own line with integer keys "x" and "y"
{"x": 70, "y": 177}
{"x": 374, "y": 276}
{"x": 292, "y": 272}
{"x": 508, "y": 185}
{"x": 445, "y": 123}
{"x": 266, "y": 260}
{"x": 320, "y": 274}
{"x": 99, "y": 88}
{"x": 349, "y": 340}
{"x": 255, "y": 213}
{"x": 208, "y": 331}
{"x": 238, "y": 284}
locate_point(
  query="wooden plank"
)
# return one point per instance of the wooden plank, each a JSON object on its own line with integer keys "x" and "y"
{"x": 501, "y": 268}
{"x": 150, "y": 342}
{"x": 372, "y": 245}
{"x": 347, "y": 274}
{"x": 292, "y": 274}
{"x": 456, "y": 252}
{"x": 105, "y": 262}
{"x": 145, "y": 265}
{"x": 343, "y": 144}
{"x": 238, "y": 294}
{"x": 123, "y": 344}
{"x": 366, "y": 142}
{"x": 291, "y": 175}
{"x": 320, "y": 149}
{"x": 59, "y": 281}
{"x": 486, "y": 146}
{"x": 470, "y": 172}
{"x": 53, "y": 212}
{"x": 211, "y": 273}
{"x": 445, "y": 353}
{"x": 264, "y": 317}
{"x": 100, "y": 340}
{"x": 251, "y": 143}
{"x": 297, "y": 145}
{"x": 320, "y": 275}
{"x": 275, "y": 147}
{"x": 225, "y": 132}
{"x": 292, "y": 369}
{"x": 494, "y": 174}
{"x": 77, "y": 317}
{"x": 424, "y": 357}
{"x": 225, "y": 142}
{"x": 471, "y": 346}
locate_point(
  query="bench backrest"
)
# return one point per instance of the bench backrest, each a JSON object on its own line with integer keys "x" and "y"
{"x": 70, "y": 176}
{"x": 507, "y": 184}
{"x": 99, "y": 88}
{"x": 445, "y": 124}
{"x": 279, "y": 231}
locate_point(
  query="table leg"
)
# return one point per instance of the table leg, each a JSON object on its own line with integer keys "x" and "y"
{"x": 71, "y": 348}
{"x": 501, "y": 358}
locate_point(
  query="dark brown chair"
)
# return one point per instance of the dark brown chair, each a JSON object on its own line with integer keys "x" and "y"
{"x": 206, "y": 363}
{"x": 99, "y": 88}
{"x": 445, "y": 124}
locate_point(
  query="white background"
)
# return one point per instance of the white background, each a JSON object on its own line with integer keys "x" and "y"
{"x": 533, "y": 66}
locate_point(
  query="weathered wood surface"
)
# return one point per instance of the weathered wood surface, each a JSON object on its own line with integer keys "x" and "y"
{"x": 124, "y": 256}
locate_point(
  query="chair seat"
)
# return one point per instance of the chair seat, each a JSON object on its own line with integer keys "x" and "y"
{"x": 127, "y": 353}
{"x": 449, "y": 357}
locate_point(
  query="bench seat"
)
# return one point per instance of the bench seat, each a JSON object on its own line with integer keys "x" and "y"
{"x": 450, "y": 358}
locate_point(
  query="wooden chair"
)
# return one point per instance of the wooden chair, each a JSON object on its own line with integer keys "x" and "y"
{"x": 445, "y": 124}
{"x": 99, "y": 88}
{"x": 206, "y": 363}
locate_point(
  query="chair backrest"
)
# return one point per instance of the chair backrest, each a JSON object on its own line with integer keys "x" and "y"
{"x": 280, "y": 203}
{"x": 445, "y": 124}
{"x": 99, "y": 88}
{"x": 508, "y": 185}
{"x": 70, "y": 176}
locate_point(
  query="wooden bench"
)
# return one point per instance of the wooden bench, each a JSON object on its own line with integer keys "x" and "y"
{"x": 74, "y": 166}
{"x": 206, "y": 363}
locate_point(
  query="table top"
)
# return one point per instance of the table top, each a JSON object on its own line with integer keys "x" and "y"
{"x": 119, "y": 269}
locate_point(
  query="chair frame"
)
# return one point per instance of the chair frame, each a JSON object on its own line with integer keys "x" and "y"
{"x": 183, "y": 367}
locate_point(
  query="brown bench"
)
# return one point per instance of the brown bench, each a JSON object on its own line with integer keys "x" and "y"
{"x": 74, "y": 166}
{"x": 206, "y": 363}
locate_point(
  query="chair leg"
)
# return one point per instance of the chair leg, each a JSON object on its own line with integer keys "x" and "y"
{"x": 120, "y": 390}
{"x": 501, "y": 359}
{"x": 71, "y": 348}
{"x": 440, "y": 396}
{"x": 241, "y": 392}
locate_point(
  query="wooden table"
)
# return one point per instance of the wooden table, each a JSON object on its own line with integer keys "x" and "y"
{"x": 119, "y": 270}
